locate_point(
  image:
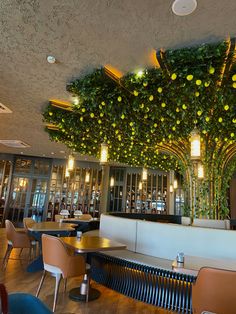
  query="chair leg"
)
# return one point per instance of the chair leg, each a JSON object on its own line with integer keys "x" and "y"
{"x": 7, "y": 255}
{"x": 34, "y": 251}
{"x": 58, "y": 280}
{"x": 30, "y": 253}
{"x": 87, "y": 290}
{"x": 65, "y": 283}
{"x": 41, "y": 283}
{"x": 21, "y": 250}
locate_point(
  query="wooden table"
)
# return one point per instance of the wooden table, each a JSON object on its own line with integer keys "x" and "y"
{"x": 86, "y": 245}
{"x": 48, "y": 227}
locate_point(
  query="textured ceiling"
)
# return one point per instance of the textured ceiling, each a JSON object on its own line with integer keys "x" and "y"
{"x": 83, "y": 35}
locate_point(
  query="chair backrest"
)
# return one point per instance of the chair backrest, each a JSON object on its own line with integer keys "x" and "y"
{"x": 214, "y": 291}
{"x": 85, "y": 217}
{"x": 28, "y": 222}
{"x": 56, "y": 253}
{"x": 18, "y": 239}
{"x": 10, "y": 230}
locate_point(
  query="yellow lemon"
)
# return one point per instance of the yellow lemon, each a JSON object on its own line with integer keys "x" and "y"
{"x": 122, "y": 116}
{"x": 207, "y": 119}
{"x": 92, "y": 115}
{"x": 162, "y": 119}
{"x": 189, "y": 77}
{"x": 145, "y": 84}
{"x": 206, "y": 84}
{"x": 232, "y": 134}
{"x": 220, "y": 119}
{"x": 177, "y": 109}
{"x": 159, "y": 90}
{"x": 177, "y": 122}
{"x": 173, "y": 128}
{"x": 226, "y": 107}
{"x": 141, "y": 106}
{"x": 234, "y": 77}
{"x": 211, "y": 70}
{"x": 50, "y": 113}
{"x": 173, "y": 76}
{"x": 204, "y": 131}
{"x": 119, "y": 98}
{"x": 83, "y": 110}
{"x": 198, "y": 82}
{"x": 114, "y": 125}
{"x": 103, "y": 103}
{"x": 101, "y": 114}
{"x": 99, "y": 121}
{"x": 155, "y": 125}
{"x": 199, "y": 113}
{"x": 184, "y": 106}
{"x": 131, "y": 123}
{"x": 135, "y": 93}
{"x": 216, "y": 139}
{"x": 197, "y": 94}
{"x": 234, "y": 85}
{"x": 151, "y": 98}
{"x": 234, "y": 120}
{"x": 163, "y": 105}
{"x": 81, "y": 119}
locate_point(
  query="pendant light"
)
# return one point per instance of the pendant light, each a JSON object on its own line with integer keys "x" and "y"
{"x": 112, "y": 182}
{"x": 104, "y": 153}
{"x": 144, "y": 174}
{"x": 70, "y": 163}
{"x": 87, "y": 176}
{"x": 195, "y": 142}
{"x": 200, "y": 171}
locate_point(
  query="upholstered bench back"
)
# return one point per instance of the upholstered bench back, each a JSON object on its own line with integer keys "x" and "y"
{"x": 122, "y": 230}
{"x": 211, "y": 223}
{"x": 166, "y": 240}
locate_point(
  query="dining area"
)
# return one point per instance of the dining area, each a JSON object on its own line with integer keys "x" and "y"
{"x": 58, "y": 253}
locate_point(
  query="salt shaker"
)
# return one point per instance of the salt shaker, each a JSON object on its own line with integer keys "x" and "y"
{"x": 180, "y": 259}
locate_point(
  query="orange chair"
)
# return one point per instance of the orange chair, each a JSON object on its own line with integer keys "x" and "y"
{"x": 214, "y": 291}
{"x": 59, "y": 260}
{"x": 16, "y": 239}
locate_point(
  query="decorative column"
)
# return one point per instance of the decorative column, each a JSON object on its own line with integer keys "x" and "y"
{"x": 104, "y": 189}
{"x": 171, "y": 198}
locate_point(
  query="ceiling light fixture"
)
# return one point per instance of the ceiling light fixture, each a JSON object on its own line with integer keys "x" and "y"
{"x": 184, "y": 7}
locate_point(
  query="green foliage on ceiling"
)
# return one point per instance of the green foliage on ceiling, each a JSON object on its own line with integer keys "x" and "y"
{"x": 139, "y": 113}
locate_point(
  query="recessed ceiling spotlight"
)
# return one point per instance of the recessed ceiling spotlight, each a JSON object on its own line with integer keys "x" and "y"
{"x": 21, "y": 153}
{"x": 51, "y": 59}
{"x": 62, "y": 151}
{"x": 184, "y": 7}
{"x": 52, "y": 153}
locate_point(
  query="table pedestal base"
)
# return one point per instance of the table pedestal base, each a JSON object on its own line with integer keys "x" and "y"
{"x": 75, "y": 294}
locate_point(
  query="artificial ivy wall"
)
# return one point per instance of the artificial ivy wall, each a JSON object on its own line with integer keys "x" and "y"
{"x": 146, "y": 119}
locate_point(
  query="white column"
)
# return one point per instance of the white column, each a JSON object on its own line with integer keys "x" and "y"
{"x": 104, "y": 189}
{"x": 171, "y": 194}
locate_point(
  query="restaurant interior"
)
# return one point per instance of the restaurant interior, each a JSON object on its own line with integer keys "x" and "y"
{"x": 118, "y": 156}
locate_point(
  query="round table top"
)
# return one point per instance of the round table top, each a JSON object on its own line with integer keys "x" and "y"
{"x": 51, "y": 226}
{"x": 92, "y": 244}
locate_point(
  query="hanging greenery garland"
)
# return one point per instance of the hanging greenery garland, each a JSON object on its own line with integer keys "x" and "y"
{"x": 141, "y": 112}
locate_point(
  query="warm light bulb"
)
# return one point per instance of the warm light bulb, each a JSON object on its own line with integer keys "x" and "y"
{"x": 195, "y": 144}
{"x": 171, "y": 188}
{"x": 140, "y": 186}
{"x": 67, "y": 173}
{"x": 200, "y": 171}
{"x": 104, "y": 152}
{"x": 140, "y": 73}
{"x": 175, "y": 184}
{"x": 144, "y": 174}
{"x": 112, "y": 182}
{"x": 71, "y": 163}
{"x": 87, "y": 176}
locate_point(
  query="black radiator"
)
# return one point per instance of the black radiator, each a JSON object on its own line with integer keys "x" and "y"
{"x": 159, "y": 287}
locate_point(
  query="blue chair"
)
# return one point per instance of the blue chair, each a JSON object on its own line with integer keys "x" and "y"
{"x": 24, "y": 303}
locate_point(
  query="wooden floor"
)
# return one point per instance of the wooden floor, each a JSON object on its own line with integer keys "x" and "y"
{"x": 17, "y": 279}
